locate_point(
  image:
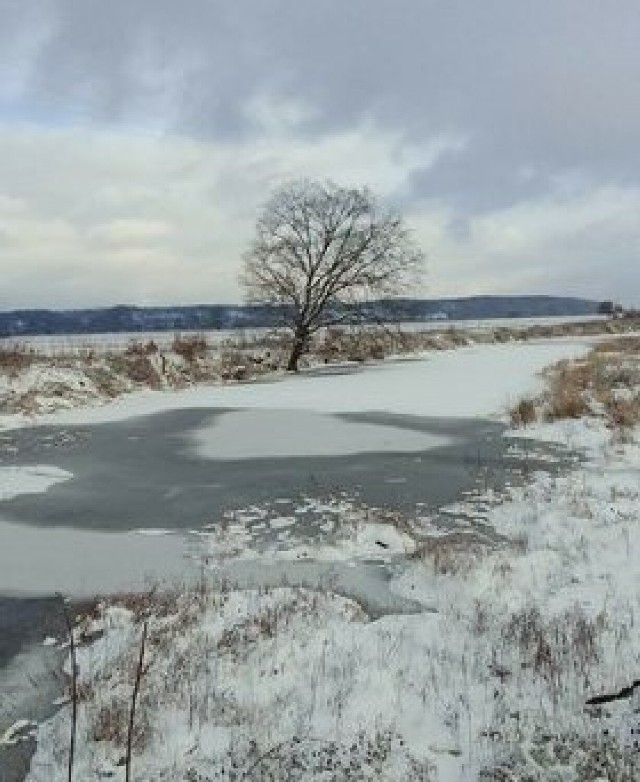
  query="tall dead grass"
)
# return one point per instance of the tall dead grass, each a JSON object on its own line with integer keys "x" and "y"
{"x": 606, "y": 384}
{"x": 16, "y": 358}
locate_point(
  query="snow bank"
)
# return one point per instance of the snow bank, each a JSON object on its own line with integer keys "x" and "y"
{"x": 478, "y": 381}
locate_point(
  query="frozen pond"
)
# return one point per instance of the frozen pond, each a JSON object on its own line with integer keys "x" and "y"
{"x": 183, "y": 469}
{"x": 116, "y": 498}
{"x": 118, "y": 495}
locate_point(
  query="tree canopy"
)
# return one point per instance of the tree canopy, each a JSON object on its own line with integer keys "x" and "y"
{"x": 321, "y": 251}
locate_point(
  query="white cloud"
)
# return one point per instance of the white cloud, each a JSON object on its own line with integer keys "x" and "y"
{"x": 90, "y": 217}
{"x": 98, "y": 218}
{"x": 572, "y": 241}
{"x": 541, "y": 99}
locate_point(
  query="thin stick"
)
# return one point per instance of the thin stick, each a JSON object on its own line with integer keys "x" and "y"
{"x": 74, "y": 687}
{"x": 134, "y": 698}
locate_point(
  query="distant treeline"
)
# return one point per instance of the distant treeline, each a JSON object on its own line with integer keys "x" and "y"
{"x": 203, "y": 317}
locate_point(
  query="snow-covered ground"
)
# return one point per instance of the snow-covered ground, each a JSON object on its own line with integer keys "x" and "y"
{"x": 489, "y": 682}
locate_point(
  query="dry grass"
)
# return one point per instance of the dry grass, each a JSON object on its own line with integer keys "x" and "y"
{"x": 137, "y": 367}
{"x": 524, "y": 413}
{"x": 135, "y": 348}
{"x": 190, "y": 348}
{"x": 244, "y": 357}
{"x": 569, "y": 383}
{"x": 627, "y": 344}
{"x": 16, "y": 359}
{"x": 450, "y": 556}
{"x": 107, "y": 383}
{"x": 606, "y": 383}
{"x": 623, "y": 413}
{"x": 566, "y": 755}
{"x": 548, "y": 646}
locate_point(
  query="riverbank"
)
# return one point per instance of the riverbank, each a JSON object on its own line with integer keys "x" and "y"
{"x": 36, "y": 379}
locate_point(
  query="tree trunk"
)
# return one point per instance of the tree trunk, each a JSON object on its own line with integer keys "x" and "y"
{"x": 300, "y": 345}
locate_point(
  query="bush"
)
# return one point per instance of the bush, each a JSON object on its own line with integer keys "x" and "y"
{"x": 623, "y": 413}
{"x": 135, "y": 348}
{"x": 16, "y": 358}
{"x": 137, "y": 368}
{"x": 190, "y": 348}
{"x": 524, "y": 413}
{"x": 567, "y": 386}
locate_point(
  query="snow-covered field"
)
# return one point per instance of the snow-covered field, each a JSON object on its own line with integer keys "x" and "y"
{"x": 70, "y": 343}
{"x": 490, "y": 681}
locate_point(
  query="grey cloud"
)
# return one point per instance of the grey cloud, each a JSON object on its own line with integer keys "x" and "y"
{"x": 540, "y": 90}
{"x": 551, "y": 84}
{"x": 536, "y": 69}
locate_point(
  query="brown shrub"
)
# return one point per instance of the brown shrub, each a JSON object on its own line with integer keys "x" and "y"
{"x": 16, "y": 358}
{"x": 449, "y": 556}
{"x": 140, "y": 370}
{"x": 190, "y": 348}
{"x": 568, "y": 383}
{"x": 622, "y": 413}
{"x": 523, "y": 413}
{"x": 135, "y": 348}
{"x": 566, "y": 403}
{"x": 137, "y": 368}
{"x": 106, "y": 382}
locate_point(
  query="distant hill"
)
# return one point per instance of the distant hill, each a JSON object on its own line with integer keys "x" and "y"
{"x": 482, "y": 307}
{"x": 131, "y": 319}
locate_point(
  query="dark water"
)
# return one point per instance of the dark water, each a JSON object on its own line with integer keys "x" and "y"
{"x": 140, "y": 474}
{"x": 32, "y": 673}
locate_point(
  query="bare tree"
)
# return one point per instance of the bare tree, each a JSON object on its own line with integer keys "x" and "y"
{"x": 321, "y": 251}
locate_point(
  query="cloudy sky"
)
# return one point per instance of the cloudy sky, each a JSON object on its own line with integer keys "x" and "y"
{"x": 139, "y": 137}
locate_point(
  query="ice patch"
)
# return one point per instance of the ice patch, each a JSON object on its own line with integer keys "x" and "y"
{"x": 40, "y": 560}
{"x": 283, "y": 521}
{"x": 34, "y": 479}
{"x": 256, "y": 434}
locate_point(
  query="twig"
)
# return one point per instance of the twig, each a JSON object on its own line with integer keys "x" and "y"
{"x": 134, "y": 698}
{"x": 74, "y": 687}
